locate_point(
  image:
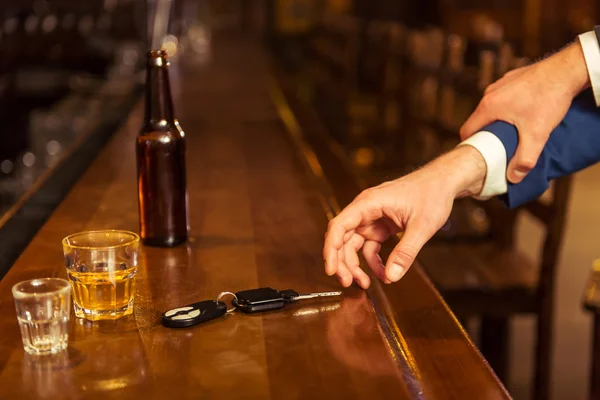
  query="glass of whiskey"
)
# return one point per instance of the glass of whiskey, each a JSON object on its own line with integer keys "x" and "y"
{"x": 101, "y": 266}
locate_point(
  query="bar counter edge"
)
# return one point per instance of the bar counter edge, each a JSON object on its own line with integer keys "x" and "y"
{"x": 333, "y": 195}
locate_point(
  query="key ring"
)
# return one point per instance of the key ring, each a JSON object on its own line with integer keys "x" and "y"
{"x": 232, "y": 309}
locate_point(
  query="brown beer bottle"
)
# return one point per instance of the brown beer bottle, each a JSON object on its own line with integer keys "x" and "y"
{"x": 160, "y": 149}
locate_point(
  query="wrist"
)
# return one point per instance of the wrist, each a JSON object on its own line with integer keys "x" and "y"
{"x": 463, "y": 171}
{"x": 573, "y": 73}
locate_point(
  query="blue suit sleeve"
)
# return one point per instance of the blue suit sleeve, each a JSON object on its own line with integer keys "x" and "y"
{"x": 572, "y": 146}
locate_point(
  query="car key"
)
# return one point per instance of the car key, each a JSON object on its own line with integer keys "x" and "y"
{"x": 266, "y": 299}
{"x": 193, "y": 314}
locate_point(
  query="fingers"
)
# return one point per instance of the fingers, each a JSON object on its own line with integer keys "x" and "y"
{"x": 342, "y": 227}
{"x": 405, "y": 252}
{"x": 339, "y": 230}
{"x": 480, "y": 118}
{"x": 353, "y": 263}
{"x": 343, "y": 274}
{"x": 371, "y": 253}
{"x": 528, "y": 151}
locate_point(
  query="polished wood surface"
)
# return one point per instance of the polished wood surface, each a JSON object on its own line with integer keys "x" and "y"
{"x": 257, "y": 219}
{"x": 414, "y": 292}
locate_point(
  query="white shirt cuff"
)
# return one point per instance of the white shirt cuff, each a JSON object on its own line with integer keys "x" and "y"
{"x": 494, "y": 154}
{"x": 591, "y": 53}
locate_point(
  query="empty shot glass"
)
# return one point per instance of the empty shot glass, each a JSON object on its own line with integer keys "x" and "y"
{"x": 43, "y": 307}
{"x": 101, "y": 266}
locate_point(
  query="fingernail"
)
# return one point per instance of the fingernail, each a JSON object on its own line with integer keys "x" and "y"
{"x": 347, "y": 282}
{"x": 516, "y": 176}
{"x": 520, "y": 172}
{"x": 395, "y": 272}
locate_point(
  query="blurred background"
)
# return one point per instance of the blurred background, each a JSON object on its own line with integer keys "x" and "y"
{"x": 66, "y": 70}
{"x": 386, "y": 83}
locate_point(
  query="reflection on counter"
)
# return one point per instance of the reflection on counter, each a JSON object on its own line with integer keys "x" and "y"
{"x": 88, "y": 366}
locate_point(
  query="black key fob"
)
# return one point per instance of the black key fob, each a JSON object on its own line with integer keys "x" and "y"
{"x": 259, "y": 300}
{"x": 193, "y": 314}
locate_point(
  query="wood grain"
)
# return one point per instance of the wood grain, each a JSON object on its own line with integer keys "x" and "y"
{"x": 257, "y": 219}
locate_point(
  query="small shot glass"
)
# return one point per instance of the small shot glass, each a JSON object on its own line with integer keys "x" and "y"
{"x": 43, "y": 308}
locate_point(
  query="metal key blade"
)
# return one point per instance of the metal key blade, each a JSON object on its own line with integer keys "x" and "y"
{"x": 313, "y": 295}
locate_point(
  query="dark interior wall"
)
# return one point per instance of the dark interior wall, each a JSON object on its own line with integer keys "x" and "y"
{"x": 413, "y": 13}
{"x": 26, "y": 52}
{"x": 535, "y": 26}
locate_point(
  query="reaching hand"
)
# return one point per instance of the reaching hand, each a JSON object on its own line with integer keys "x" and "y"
{"x": 418, "y": 204}
{"x": 535, "y": 99}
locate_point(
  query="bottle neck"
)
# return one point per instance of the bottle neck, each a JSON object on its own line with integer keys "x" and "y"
{"x": 159, "y": 105}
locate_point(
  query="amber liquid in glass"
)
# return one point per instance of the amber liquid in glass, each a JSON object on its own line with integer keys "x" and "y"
{"x": 105, "y": 294}
{"x": 162, "y": 192}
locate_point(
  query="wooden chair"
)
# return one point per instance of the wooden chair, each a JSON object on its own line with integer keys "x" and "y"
{"x": 493, "y": 281}
{"x": 591, "y": 303}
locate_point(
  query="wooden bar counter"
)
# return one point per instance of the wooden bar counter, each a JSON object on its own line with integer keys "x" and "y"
{"x": 257, "y": 219}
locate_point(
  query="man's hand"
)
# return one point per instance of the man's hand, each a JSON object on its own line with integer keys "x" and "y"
{"x": 535, "y": 99}
{"x": 418, "y": 204}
